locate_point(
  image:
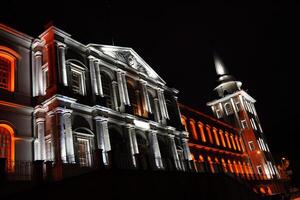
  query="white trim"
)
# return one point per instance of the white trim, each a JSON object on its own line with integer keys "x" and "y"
{"x": 241, "y": 92}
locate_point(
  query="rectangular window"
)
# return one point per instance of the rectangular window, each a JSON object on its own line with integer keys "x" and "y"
{"x": 77, "y": 79}
{"x": 259, "y": 169}
{"x": 218, "y": 113}
{"x": 244, "y": 124}
{"x": 251, "y": 146}
{"x": 253, "y": 124}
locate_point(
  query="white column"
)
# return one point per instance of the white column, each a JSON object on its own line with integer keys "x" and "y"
{"x": 93, "y": 75}
{"x": 98, "y": 78}
{"x": 121, "y": 88}
{"x": 132, "y": 143}
{"x": 103, "y": 141}
{"x": 40, "y": 124}
{"x": 114, "y": 89}
{"x": 127, "y": 102}
{"x": 39, "y": 74}
{"x": 186, "y": 149}
{"x": 69, "y": 138}
{"x": 157, "y": 113}
{"x": 146, "y": 100}
{"x": 61, "y": 134}
{"x": 174, "y": 151}
{"x": 162, "y": 104}
{"x": 62, "y": 63}
{"x": 155, "y": 149}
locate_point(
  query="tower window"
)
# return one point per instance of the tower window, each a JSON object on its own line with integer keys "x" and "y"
{"x": 244, "y": 124}
{"x": 218, "y": 113}
{"x": 253, "y": 124}
{"x": 251, "y": 146}
{"x": 46, "y": 81}
{"x": 228, "y": 109}
{"x": 238, "y": 105}
{"x": 259, "y": 169}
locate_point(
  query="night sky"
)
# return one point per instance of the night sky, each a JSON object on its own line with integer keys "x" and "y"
{"x": 257, "y": 43}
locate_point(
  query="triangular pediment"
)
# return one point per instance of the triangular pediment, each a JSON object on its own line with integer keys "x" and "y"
{"x": 130, "y": 59}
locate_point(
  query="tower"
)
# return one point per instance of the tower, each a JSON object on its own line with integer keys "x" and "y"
{"x": 236, "y": 107}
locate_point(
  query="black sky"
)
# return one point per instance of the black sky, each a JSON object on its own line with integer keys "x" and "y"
{"x": 256, "y": 42}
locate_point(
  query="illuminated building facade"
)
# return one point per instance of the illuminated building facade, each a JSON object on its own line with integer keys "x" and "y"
{"x": 77, "y": 105}
{"x": 71, "y": 105}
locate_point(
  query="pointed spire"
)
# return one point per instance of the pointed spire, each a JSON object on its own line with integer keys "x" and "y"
{"x": 219, "y": 66}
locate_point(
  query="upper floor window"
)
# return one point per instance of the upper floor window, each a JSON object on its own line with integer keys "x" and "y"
{"x": 253, "y": 124}
{"x": 251, "y": 146}
{"x": 259, "y": 169}
{"x": 218, "y": 113}
{"x": 107, "y": 89}
{"x": 238, "y": 105}
{"x": 244, "y": 124}
{"x": 228, "y": 109}
{"x": 7, "y": 68}
{"x": 77, "y": 78}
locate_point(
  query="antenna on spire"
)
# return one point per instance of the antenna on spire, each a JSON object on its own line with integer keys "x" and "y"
{"x": 219, "y": 66}
{"x": 108, "y": 6}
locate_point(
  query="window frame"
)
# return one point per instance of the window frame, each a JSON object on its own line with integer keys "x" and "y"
{"x": 81, "y": 72}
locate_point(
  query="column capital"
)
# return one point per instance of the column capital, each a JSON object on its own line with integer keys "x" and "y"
{"x": 172, "y": 137}
{"x": 59, "y": 110}
{"x": 60, "y": 44}
{"x": 38, "y": 53}
{"x": 99, "y": 118}
{"x": 130, "y": 126}
{"x": 40, "y": 109}
{"x": 40, "y": 120}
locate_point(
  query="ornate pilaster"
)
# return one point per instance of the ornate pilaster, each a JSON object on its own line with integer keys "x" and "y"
{"x": 62, "y": 63}
{"x": 127, "y": 102}
{"x": 98, "y": 78}
{"x": 93, "y": 75}
{"x": 132, "y": 143}
{"x": 41, "y": 152}
{"x": 174, "y": 152}
{"x": 103, "y": 141}
{"x": 154, "y": 147}
{"x": 114, "y": 90}
{"x": 38, "y": 73}
{"x": 162, "y": 104}
{"x": 157, "y": 113}
{"x": 69, "y": 137}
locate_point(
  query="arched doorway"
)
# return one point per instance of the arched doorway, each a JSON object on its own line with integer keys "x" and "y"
{"x": 7, "y": 145}
{"x": 165, "y": 153}
{"x": 119, "y": 156}
{"x": 143, "y": 161}
{"x": 84, "y": 145}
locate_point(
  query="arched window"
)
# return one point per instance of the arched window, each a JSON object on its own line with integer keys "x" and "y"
{"x": 233, "y": 143}
{"x": 8, "y": 60}
{"x": 236, "y": 168}
{"x": 246, "y": 169}
{"x": 209, "y": 134}
{"x": 237, "y": 143}
{"x": 193, "y": 129}
{"x": 216, "y": 136}
{"x": 224, "y": 165}
{"x": 228, "y": 140}
{"x": 183, "y": 121}
{"x": 230, "y": 166}
{"x": 242, "y": 144}
{"x": 222, "y": 138}
{"x": 107, "y": 89}
{"x": 212, "y": 169}
{"x": 241, "y": 168}
{"x": 200, "y": 126}
{"x": 201, "y": 159}
{"x": 7, "y": 148}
